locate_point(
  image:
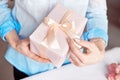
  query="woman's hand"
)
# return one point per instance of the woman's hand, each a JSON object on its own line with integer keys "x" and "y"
{"x": 93, "y": 51}
{"x": 23, "y": 46}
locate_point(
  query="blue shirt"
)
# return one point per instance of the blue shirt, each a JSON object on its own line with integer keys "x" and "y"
{"x": 27, "y": 14}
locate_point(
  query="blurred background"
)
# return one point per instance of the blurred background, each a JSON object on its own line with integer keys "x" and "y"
{"x": 114, "y": 38}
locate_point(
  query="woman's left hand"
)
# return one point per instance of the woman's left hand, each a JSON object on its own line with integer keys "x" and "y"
{"x": 94, "y": 51}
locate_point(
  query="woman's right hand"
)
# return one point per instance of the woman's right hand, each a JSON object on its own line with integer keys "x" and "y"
{"x": 23, "y": 46}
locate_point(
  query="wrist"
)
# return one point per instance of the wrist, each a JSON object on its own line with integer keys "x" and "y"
{"x": 100, "y": 43}
{"x": 15, "y": 43}
{"x": 12, "y": 38}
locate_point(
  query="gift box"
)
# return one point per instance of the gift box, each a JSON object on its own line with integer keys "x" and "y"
{"x": 49, "y": 40}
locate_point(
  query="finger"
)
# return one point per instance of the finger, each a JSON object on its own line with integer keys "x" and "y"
{"x": 33, "y": 55}
{"x": 75, "y": 60}
{"x": 72, "y": 46}
{"x": 75, "y": 63}
{"x": 84, "y": 43}
{"x": 77, "y": 45}
{"x": 37, "y": 58}
{"x": 77, "y": 55}
{"x": 76, "y": 50}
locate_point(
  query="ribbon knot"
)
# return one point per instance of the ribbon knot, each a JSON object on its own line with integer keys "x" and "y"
{"x": 67, "y": 27}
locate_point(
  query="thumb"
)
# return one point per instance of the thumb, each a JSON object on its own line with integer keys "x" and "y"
{"x": 74, "y": 49}
{"x": 27, "y": 40}
{"x": 83, "y": 43}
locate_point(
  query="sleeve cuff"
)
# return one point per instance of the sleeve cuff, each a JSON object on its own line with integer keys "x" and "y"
{"x": 96, "y": 33}
{"x": 5, "y": 28}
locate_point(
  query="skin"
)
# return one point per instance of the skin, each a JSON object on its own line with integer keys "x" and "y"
{"x": 23, "y": 46}
{"x": 94, "y": 53}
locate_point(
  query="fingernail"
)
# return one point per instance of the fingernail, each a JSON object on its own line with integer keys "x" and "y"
{"x": 77, "y": 45}
{"x": 76, "y": 40}
{"x": 68, "y": 39}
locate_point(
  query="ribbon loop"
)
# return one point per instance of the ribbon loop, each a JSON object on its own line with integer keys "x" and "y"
{"x": 67, "y": 27}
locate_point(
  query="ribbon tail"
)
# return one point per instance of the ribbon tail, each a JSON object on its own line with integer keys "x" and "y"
{"x": 50, "y": 36}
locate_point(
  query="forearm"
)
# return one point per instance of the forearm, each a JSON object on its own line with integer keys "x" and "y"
{"x": 12, "y": 38}
{"x": 97, "y": 25}
{"x": 97, "y": 15}
{"x": 7, "y": 24}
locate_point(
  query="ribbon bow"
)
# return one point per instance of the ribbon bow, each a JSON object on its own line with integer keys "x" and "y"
{"x": 67, "y": 27}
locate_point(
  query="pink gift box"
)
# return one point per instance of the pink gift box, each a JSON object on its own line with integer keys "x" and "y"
{"x": 56, "y": 48}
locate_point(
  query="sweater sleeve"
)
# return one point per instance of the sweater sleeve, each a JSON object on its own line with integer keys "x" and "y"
{"x": 97, "y": 25}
